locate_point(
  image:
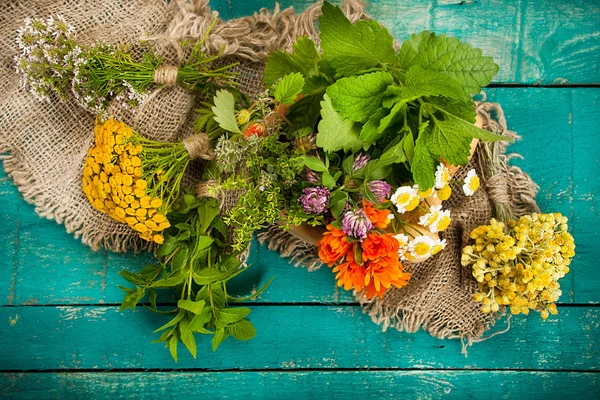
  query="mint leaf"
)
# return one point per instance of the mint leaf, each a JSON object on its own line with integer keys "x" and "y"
{"x": 370, "y": 131}
{"x": 242, "y": 330}
{"x": 358, "y": 97}
{"x": 193, "y": 306}
{"x": 288, "y": 88}
{"x": 353, "y": 48}
{"x": 335, "y": 132}
{"x": 224, "y": 110}
{"x": 465, "y": 64}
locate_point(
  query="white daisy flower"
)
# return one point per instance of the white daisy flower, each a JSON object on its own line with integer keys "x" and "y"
{"x": 405, "y": 199}
{"x": 403, "y": 240}
{"x": 420, "y": 248}
{"x": 442, "y": 176}
{"x": 471, "y": 183}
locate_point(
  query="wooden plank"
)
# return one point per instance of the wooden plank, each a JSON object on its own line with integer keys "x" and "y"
{"x": 296, "y": 337}
{"x": 9, "y": 221}
{"x": 533, "y": 41}
{"x": 560, "y": 141}
{"x": 300, "y": 385}
{"x": 72, "y": 274}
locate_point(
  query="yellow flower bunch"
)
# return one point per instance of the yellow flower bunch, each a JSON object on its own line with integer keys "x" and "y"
{"x": 132, "y": 179}
{"x": 519, "y": 265}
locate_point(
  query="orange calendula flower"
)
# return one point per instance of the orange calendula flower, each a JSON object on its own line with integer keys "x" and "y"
{"x": 350, "y": 274}
{"x": 379, "y": 218}
{"x": 376, "y": 246}
{"x": 382, "y": 274}
{"x": 333, "y": 246}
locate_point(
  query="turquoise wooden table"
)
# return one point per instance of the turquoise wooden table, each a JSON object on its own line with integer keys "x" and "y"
{"x": 61, "y": 335}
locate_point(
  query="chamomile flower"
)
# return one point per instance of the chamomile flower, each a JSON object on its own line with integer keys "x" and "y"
{"x": 442, "y": 176}
{"x": 420, "y": 248}
{"x": 426, "y": 193}
{"x": 436, "y": 220}
{"x": 438, "y": 246}
{"x": 403, "y": 240}
{"x": 471, "y": 183}
{"x": 444, "y": 193}
{"x": 405, "y": 199}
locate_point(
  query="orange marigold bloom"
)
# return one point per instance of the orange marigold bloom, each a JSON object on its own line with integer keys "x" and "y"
{"x": 379, "y": 218}
{"x": 333, "y": 245}
{"x": 376, "y": 246}
{"x": 383, "y": 273}
{"x": 350, "y": 274}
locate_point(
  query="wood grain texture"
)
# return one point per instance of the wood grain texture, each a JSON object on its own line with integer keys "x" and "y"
{"x": 533, "y": 41}
{"x": 301, "y": 385}
{"x": 288, "y": 337}
{"x": 560, "y": 138}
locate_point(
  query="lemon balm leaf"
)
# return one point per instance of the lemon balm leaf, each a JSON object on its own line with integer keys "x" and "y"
{"x": 335, "y": 132}
{"x": 352, "y": 48}
{"x": 460, "y": 61}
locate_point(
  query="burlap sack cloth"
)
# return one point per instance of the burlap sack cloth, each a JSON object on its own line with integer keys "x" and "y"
{"x": 47, "y": 143}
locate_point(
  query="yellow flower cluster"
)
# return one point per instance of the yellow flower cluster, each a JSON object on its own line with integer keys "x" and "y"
{"x": 519, "y": 265}
{"x": 112, "y": 181}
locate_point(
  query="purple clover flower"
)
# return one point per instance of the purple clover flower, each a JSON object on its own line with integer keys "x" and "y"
{"x": 356, "y": 224}
{"x": 380, "y": 189}
{"x": 360, "y": 161}
{"x": 312, "y": 176}
{"x": 314, "y": 200}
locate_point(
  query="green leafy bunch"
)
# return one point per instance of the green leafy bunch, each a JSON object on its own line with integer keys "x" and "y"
{"x": 411, "y": 107}
{"x": 196, "y": 260}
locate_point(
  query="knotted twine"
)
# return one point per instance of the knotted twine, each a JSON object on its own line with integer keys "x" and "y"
{"x": 48, "y": 142}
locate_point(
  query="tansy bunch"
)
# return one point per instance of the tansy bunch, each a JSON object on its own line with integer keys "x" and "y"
{"x": 133, "y": 179}
{"x": 519, "y": 265}
{"x": 366, "y": 258}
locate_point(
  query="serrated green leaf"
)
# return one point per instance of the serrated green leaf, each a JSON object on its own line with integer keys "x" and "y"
{"x": 224, "y": 110}
{"x": 465, "y": 64}
{"x": 173, "y": 347}
{"x": 351, "y": 48}
{"x": 197, "y": 323}
{"x": 132, "y": 277}
{"x": 180, "y": 260}
{"x": 397, "y": 153}
{"x": 217, "y": 295}
{"x": 305, "y": 54}
{"x": 420, "y": 82}
{"x": 306, "y": 111}
{"x": 210, "y": 275}
{"x": 195, "y": 307}
{"x": 280, "y": 63}
{"x": 218, "y": 338}
{"x": 336, "y": 133}
{"x": 175, "y": 278}
{"x": 171, "y": 323}
{"x": 231, "y": 315}
{"x": 187, "y": 337}
{"x": 242, "y": 330}
{"x": 315, "y": 85}
{"x": 288, "y": 88}
{"x": 394, "y": 115}
{"x": 313, "y": 163}
{"x": 208, "y": 209}
{"x": 358, "y": 97}
{"x": 131, "y": 299}
{"x": 424, "y": 163}
{"x": 169, "y": 245}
